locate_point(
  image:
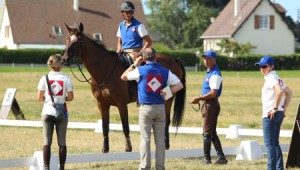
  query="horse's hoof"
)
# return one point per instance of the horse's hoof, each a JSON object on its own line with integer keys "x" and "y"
{"x": 105, "y": 150}
{"x": 128, "y": 145}
{"x": 105, "y": 147}
{"x": 128, "y": 150}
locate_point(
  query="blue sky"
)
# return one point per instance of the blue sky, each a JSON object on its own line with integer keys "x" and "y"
{"x": 292, "y": 7}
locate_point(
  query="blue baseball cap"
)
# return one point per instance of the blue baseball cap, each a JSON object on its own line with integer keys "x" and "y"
{"x": 266, "y": 60}
{"x": 210, "y": 54}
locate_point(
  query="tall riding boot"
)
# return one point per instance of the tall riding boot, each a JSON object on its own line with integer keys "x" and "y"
{"x": 217, "y": 144}
{"x": 46, "y": 156}
{"x": 206, "y": 148}
{"x": 62, "y": 157}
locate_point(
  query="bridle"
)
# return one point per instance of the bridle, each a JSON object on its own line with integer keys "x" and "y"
{"x": 71, "y": 53}
{"x": 74, "y": 42}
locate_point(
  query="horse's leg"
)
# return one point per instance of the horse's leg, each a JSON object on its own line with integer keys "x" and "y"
{"x": 104, "y": 109}
{"x": 168, "y": 105}
{"x": 123, "y": 111}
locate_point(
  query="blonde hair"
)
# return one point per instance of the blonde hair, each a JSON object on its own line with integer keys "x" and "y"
{"x": 54, "y": 61}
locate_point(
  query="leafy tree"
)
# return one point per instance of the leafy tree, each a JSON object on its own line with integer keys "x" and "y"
{"x": 232, "y": 48}
{"x": 180, "y": 23}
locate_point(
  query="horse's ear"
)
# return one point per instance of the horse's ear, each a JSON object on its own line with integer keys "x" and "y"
{"x": 81, "y": 27}
{"x": 68, "y": 28}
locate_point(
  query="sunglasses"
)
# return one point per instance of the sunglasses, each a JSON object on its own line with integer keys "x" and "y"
{"x": 263, "y": 66}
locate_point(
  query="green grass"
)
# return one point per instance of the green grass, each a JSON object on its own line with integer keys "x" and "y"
{"x": 240, "y": 104}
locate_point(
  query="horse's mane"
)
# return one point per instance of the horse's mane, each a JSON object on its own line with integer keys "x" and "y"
{"x": 99, "y": 43}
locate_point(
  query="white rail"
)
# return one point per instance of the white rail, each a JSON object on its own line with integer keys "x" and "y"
{"x": 234, "y": 131}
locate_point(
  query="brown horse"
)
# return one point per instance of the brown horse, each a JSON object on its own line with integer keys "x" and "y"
{"x": 108, "y": 88}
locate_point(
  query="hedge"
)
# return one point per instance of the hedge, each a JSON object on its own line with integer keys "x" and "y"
{"x": 288, "y": 62}
{"x": 283, "y": 62}
{"x": 26, "y": 56}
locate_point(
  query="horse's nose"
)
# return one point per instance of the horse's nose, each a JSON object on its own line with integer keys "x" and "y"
{"x": 65, "y": 61}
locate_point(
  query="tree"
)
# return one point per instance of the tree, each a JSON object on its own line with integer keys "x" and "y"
{"x": 180, "y": 23}
{"x": 232, "y": 48}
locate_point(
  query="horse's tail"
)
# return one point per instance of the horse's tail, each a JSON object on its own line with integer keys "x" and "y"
{"x": 179, "y": 99}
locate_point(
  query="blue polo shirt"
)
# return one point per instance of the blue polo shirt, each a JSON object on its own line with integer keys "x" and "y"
{"x": 206, "y": 87}
{"x": 130, "y": 35}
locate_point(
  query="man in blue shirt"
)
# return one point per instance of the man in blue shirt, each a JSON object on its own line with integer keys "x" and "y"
{"x": 211, "y": 91}
{"x": 131, "y": 34}
{"x": 151, "y": 79}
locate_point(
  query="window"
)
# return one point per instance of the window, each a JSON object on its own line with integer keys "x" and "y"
{"x": 57, "y": 31}
{"x": 6, "y": 31}
{"x": 97, "y": 36}
{"x": 264, "y": 22}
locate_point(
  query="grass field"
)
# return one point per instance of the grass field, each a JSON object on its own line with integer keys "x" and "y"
{"x": 240, "y": 104}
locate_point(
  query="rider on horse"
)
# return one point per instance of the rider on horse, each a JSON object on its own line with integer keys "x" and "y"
{"x": 131, "y": 34}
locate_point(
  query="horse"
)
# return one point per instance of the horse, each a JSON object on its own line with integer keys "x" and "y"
{"x": 107, "y": 87}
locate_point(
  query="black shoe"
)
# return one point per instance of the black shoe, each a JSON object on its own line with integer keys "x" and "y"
{"x": 221, "y": 161}
{"x": 206, "y": 161}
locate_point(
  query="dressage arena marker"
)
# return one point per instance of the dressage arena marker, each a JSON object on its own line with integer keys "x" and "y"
{"x": 10, "y": 102}
{"x": 7, "y": 102}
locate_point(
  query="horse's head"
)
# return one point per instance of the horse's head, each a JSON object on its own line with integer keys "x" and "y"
{"x": 73, "y": 44}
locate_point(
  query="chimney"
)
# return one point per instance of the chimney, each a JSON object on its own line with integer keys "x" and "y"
{"x": 76, "y": 5}
{"x": 236, "y": 7}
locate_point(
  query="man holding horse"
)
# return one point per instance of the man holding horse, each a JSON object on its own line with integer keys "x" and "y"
{"x": 151, "y": 79}
{"x": 211, "y": 91}
{"x": 131, "y": 34}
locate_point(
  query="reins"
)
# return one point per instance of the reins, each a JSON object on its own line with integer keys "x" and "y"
{"x": 199, "y": 107}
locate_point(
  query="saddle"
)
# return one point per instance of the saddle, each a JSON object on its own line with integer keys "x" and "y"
{"x": 126, "y": 62}
{"x": 125, "y": 59}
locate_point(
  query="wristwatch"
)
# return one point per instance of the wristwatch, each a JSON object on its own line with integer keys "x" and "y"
{"x": 133, "y": 66}
{"x": 275, "y": 108}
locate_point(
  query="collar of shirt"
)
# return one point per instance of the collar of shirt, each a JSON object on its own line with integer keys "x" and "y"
{"x": 153, "y": 63}
{"x": 133, "y": 20}
{"x": 215, "y": 67}
{"x": 55, "y": 72}
{"x": 273, "y": 72}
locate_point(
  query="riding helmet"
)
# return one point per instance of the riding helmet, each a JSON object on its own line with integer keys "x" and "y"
{"x": 127, "y": 6}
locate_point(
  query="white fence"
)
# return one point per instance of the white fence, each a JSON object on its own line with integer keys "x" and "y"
{"x": 234, "y": 131}
{"x": 248, "y": 150}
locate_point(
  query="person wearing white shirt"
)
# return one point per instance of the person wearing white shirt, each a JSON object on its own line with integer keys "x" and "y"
{"x": 152, "y": 78}
{"x": 62, "y": 90}
{"x": 275, "y": 96}
{"x": 211, "y": 91}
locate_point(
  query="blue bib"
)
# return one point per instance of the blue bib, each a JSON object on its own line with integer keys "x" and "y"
{"x": 130, "y": 36}
{"x": 153, "y": 78}
{"x": 205, "y": 87}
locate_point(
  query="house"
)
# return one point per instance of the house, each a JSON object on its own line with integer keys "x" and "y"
{"x": 39, "y": 24}
{"x": 258, "y": 22}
